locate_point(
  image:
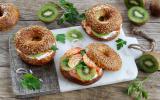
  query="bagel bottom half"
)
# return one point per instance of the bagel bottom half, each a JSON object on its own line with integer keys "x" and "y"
{"x": 34, "y": 61}
{"x": 68, "y": 76}
{"x": 89, "y": 32}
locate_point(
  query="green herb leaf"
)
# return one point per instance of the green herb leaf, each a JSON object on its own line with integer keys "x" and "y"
{"x": 120, "y": 43}
{"x": 31, "y": 82}
{"x": 65, "y": 62}
{"x": 54, "y": 48}
{"x": 83, "y": 52}
{"x": 136, "y": 88}
{"x": 71, "y": 15}
{"x": 61, "y": 38}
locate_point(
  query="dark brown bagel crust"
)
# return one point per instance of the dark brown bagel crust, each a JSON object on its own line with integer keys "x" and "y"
{"x": 80, "y": 82}
{"x": 84, "y": 26}
{"x": 113, "y": 22}
{"x": 25, "y": 44}
{"x": 10, "y": 15}
{"x": 37, "y": 62}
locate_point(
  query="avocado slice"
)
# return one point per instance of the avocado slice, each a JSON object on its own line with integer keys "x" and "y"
{"x": 86, "y": 73}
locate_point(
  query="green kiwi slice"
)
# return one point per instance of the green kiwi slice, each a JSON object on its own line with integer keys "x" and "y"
{"x": 131, "y": 3}
{"x": 99, "y": 34}
{"x": 85, "y": 73}
{"x": 48, "y": 12}
{"x": 74, "y": 35}
{"x": 138, "y": 15}
{"x": 64, "y": 64}
{"x": 147, "y": 63}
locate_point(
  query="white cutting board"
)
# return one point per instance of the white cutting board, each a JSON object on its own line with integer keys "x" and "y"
{"x": 126, "y": 73}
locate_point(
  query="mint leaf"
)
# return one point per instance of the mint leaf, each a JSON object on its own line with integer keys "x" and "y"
{"x": 120, "y": 43}
{"x": 61, "y": 38}
{"x": 30, "y": 82}
{"x": 54, "y": 48}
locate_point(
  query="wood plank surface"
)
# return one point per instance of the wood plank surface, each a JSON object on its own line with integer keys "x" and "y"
{"x": 28, "y": 10}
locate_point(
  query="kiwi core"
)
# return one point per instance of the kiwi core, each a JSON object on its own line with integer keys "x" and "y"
{"x": 48, "y": 13}
{"x": 138, "y": 14}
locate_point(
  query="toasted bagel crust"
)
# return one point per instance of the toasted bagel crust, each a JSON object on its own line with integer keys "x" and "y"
{"x": 104, "y": 56}
{"x": 112, "y": 18}
{"x": 9, "y": 15}
{"x": 25, "y": 43}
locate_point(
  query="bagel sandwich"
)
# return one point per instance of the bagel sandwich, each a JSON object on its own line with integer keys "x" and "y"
{"x": 78, "y": 68}
{"x": 85, "y": 66}
{"x": 102, "y": 22}
{"x": 34, "y": 45}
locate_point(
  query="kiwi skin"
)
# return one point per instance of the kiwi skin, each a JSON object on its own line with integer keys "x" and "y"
{"x": 155, "y": 8}
{"x": 136, "y": 22}
{"x": 142, "y": 3}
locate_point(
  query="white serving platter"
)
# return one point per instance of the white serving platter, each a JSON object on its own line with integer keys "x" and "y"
{"x": 126, "y": 73}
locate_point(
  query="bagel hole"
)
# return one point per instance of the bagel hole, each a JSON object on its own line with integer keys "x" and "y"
{"x": 36, "y": 38}
{"x": 103, "y": 18}
{"x": 1, "y": 12}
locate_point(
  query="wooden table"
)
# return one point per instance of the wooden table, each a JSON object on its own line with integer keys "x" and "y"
{"x": 28, "y": 10}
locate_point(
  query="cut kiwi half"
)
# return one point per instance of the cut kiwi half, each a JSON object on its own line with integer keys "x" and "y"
{"x": 74, "y": 35}
{"x": 48, "y": 12}
{"x": 138, "y": 15}
{"x": 85, "y": 73}
{"x": 131, "y": 3}
{"x": 148, "y": 63}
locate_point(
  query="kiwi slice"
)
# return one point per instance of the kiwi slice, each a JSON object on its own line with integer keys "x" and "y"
{"x": 74, "y": 35}
{"x": 85, "y": 73}
{"x": 64, "y": 64}
{"x": 147, "y": 63}
{"x": 48, "y": 12}
{"x": 131, "y": 3}
{"x": 99, "y": 34}
{"x": 138, "y": 15}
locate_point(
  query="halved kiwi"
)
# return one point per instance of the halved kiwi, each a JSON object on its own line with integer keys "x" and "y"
{"x": 131, "y": 3}
{"x": 48, "y": 12}
{"x": 85, "y": 73}
{"x": 148, "y": 63}
{"x": 74, "y": 35}
{"x": 138, "y": 15}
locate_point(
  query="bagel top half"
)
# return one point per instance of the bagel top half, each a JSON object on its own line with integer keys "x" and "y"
{"x": 34, "y": 40}
{"x": 102, "y": 19}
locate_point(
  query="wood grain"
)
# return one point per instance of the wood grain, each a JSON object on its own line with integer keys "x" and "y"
{"x": 28, "y": 10}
